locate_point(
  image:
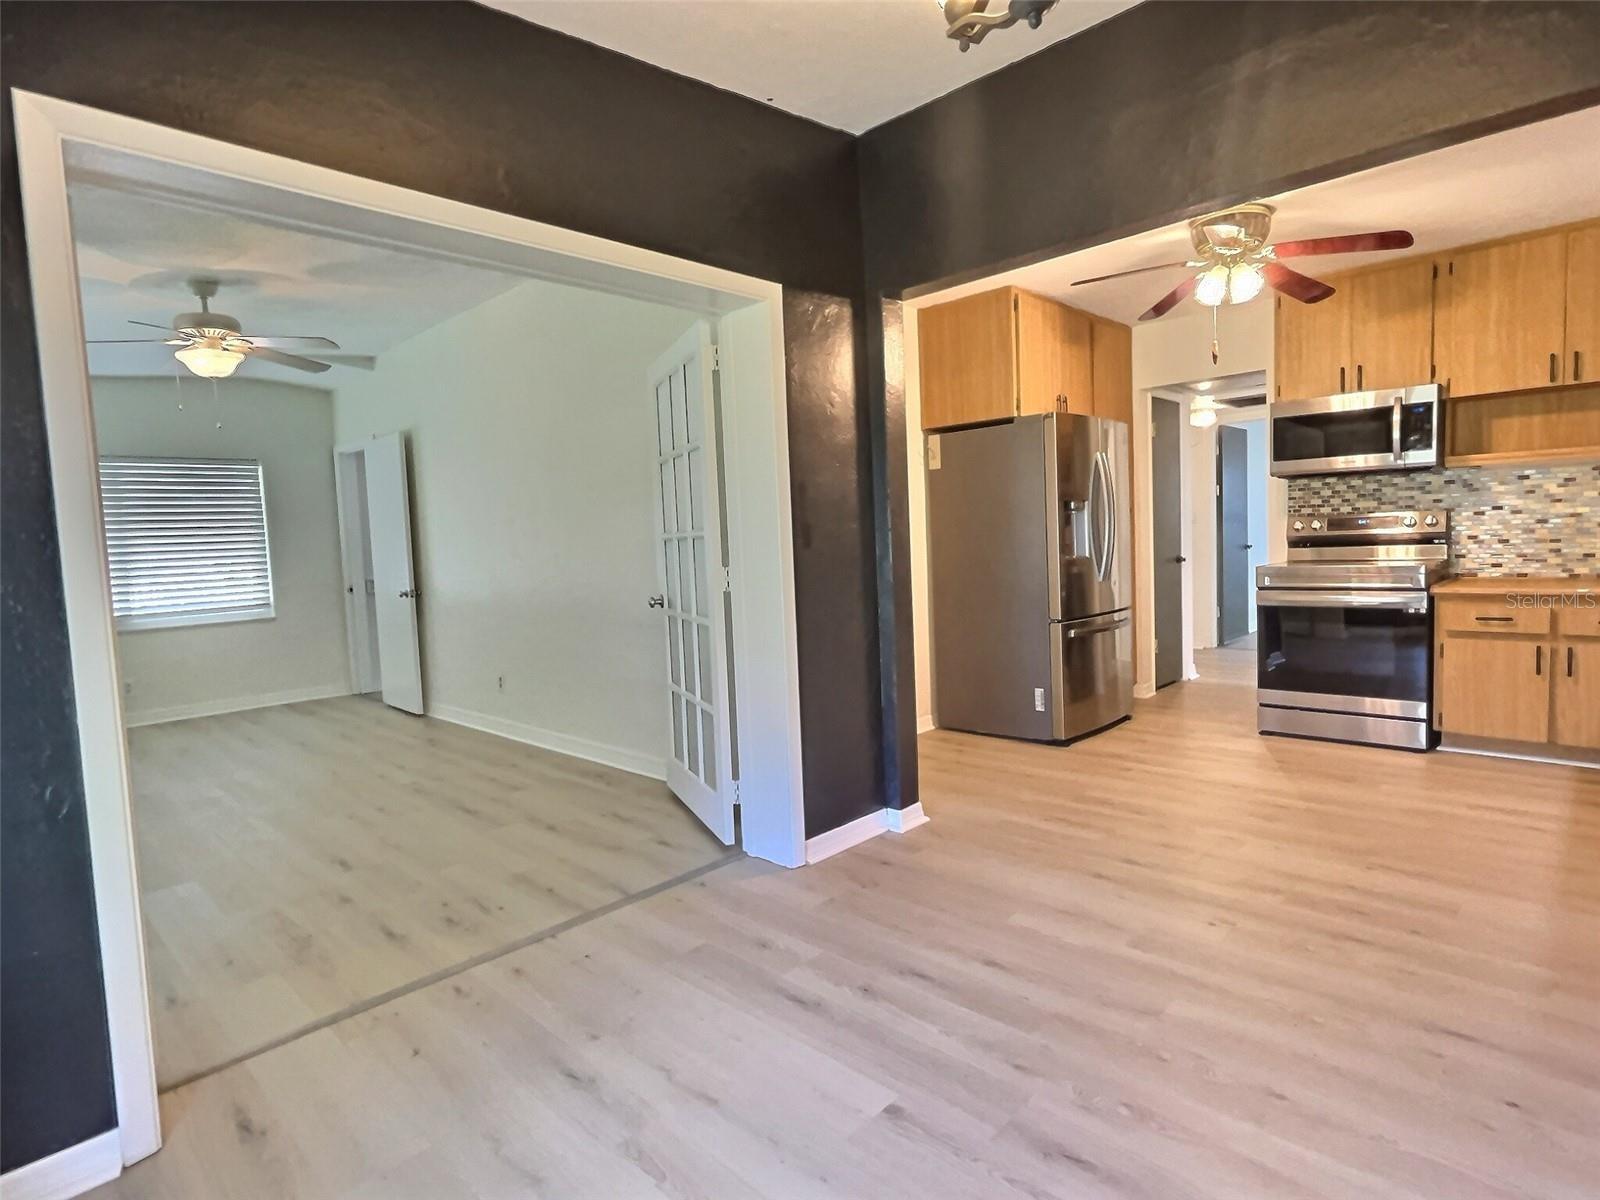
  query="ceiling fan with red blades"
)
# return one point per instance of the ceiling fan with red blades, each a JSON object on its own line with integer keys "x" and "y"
{"x": 1233, "y": 260}
{"x": 213, "y": 344}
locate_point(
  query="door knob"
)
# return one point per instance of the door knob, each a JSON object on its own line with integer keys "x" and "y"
{"x": 657, "y": 602}
{"x": 1180, "y": 559}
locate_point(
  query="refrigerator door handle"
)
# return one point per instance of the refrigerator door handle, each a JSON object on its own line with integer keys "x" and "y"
{"x": 1111, "y": 514}
{"x": 1101, "y": 530}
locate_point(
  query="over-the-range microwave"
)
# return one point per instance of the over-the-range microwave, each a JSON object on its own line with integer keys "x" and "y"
{"x": 1393, "y": 429}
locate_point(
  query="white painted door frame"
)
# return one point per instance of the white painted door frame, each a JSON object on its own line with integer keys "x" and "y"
{"x": 55, "y": 137}
{"x": 350, "y": 491}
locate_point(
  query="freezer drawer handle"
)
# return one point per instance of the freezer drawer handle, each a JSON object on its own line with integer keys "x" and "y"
{"x": 1073, "y": 631}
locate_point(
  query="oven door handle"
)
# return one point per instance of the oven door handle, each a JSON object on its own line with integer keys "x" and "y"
{"x": 1411, "y": 602}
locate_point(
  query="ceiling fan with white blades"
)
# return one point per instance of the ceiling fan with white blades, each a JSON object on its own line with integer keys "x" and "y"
{"x": 213, "y": 344}
{"x": 1233, "y": 261}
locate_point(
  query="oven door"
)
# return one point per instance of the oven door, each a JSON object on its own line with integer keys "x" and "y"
{"x": 1363, "y": 431}
{"x": 1355, "y": 652}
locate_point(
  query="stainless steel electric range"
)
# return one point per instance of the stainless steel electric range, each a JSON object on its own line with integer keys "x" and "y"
{"x": 1345, "y": 628}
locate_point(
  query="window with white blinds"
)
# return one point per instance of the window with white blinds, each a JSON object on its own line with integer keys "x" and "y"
{"x": 187, "y": 541}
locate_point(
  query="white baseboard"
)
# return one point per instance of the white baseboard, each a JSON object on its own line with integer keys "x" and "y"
{"x": 884, "y": 820}
{"x": 899, "y": 820}
{"x": 66, "y": 1173}
{"x": 926, "y": 723}
{"x": 606, "y": 755}
{"x": 215, "y": 708}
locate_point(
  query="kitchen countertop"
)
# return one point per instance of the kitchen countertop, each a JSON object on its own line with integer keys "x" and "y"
{"x": 1522, "y": 585}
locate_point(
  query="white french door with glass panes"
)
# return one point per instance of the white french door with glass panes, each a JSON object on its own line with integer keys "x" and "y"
{"x": 693, "y": 580}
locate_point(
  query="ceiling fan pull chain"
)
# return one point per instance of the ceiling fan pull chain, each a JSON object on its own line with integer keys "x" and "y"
{"x": 1215, "y": 341}
{"x": 177, "y": 386}
{"x": 217, "y": 399}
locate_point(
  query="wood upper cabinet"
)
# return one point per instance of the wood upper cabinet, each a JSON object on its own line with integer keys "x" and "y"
{"x": 1312, "y": 343}
{"x": 1581, "y": 363}
{"x": 1000, "y": 354}
{"x": 1502, "y": 316}
{"x": 1113, "y": 370}
{"x": 1391, "y": 326}
{"x": 968, "y": 360}
{"x": 1494, "y": 687}
{"x": 1576, "y": 711}
{"x": 1053, "y": 356}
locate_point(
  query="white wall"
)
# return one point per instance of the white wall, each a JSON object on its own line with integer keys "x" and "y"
{"x": 1201, "y": 453}
{"x": 298, "y": 653}
{"x": 1178, "y": 350}
{"x": 532, "y": 443}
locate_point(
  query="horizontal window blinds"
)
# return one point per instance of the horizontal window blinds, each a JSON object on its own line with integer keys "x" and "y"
{"x": 187, "y": 540}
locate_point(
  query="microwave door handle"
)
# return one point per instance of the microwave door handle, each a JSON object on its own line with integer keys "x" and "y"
{"x": 1394, "y": 427}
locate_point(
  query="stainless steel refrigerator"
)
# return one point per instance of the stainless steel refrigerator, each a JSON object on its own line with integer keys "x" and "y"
{"x": 1029, "y": 549}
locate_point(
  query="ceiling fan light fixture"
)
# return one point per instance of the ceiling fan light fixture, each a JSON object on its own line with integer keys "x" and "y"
{"x": 1211, "y": 289}
{"x": 1244, "y": 282}
{"x": 210, "y": 359}
{"x": 1202, "y": 416}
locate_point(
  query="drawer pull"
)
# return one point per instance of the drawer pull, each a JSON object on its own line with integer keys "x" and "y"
{"x": 1569, "y": 662}
{"x": 1508, "y": 620}
{"x": 1538, "y": 660}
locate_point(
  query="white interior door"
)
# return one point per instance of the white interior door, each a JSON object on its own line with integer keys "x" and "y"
{"x": 394, "y": 581}
{"x": 690, "y": 565}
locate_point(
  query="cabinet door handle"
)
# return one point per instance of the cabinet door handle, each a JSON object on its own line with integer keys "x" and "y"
{"x": 1577, "y": 367}
{"x": 1358, "y": 376}
{"x": 1341, "y": 379}
{"x": 1538, "y": 660}
{"x": 1569, "y": 662}
{"x": 1555, "y": 365}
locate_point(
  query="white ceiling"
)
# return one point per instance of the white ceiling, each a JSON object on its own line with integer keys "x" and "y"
{"x": 135, "y": 252}
{"x": 851, "y": 64}
{"x": 1528, "y": 178}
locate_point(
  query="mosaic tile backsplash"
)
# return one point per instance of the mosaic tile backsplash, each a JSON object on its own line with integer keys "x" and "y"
{"x": 1530, "y": 520}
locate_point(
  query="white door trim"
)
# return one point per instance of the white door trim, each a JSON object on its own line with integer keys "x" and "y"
{"x": 358, "y": 631}
{"x": 52, "y": 131}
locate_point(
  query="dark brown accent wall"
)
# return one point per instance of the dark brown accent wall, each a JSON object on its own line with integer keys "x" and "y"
{"x": 473, "y": 104}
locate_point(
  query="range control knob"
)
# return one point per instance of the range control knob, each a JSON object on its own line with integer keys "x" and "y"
{"x": 1409, "y": 522}
{"x": 1316, "y": 524}
{"x": 1299, "y": 525}
{"x": 1430, "y": 520}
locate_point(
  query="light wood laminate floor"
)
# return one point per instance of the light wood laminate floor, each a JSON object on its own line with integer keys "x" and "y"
{"x": 1175, "y": 961}
{"x": 295, "y": 861}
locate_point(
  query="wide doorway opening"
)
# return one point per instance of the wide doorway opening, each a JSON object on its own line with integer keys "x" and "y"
{"x": 428, "y": 575}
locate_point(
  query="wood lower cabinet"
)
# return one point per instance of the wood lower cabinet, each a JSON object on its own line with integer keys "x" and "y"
{"x": 1519, "y": 666}
{"x": 1494, "y": 687}
{"x": 1576, "y": 710}
{"x": 1391, "y": 326}
{"x": 1502, "y": 316}
{"x": 1312, "y": 347}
